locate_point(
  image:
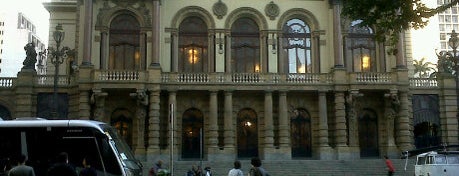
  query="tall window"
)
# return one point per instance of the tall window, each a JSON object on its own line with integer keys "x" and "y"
{"x": 360, "y": 48}
{"x": 125, "y": 44}
{"x": 245, "y": 46}
{"x": 193, "y": 45}
{"x": 297, "y": 46}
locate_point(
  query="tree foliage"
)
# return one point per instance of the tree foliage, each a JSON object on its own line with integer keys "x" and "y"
{"x": 391, "y": 17}
{"x": 422, "y": 68}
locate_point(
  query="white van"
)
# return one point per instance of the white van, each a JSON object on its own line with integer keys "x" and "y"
{"x": 42, "y": 140}
{"x": 437, "y": 164}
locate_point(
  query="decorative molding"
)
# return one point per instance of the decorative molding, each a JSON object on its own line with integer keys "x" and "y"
{"x": 272, "y": 10}
{"x": 220, "y": 9}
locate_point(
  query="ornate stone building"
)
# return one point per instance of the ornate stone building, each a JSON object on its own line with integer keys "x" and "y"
{"x": 280, "y": 80}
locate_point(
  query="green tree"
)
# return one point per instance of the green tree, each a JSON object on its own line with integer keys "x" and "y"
{"x": 391, "y": 17}
{"x": 422, "y": 68}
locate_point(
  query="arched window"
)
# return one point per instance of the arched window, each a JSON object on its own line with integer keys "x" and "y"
{"x": 193, "y": 45}
{"x": 245, "y": 46}
{"x": 125, "y": 44}
{"x": 296, "y": 37}
{"x": 192, "y": 134}
{"x": 360, "y": 49}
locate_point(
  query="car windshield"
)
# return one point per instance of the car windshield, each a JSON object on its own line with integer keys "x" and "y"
{"x": 122, "y": 148}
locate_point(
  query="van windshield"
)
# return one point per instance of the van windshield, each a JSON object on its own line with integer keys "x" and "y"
{"x": 123, "y": 149}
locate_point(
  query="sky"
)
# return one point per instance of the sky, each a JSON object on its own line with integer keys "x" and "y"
{"x": 13, "y": 53}
{"x": 33, "y": 10}
{"x": 427, "y": 39}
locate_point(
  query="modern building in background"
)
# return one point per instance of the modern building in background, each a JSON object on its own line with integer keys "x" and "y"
{"x": 213, "y": 81}
{"x": 17, "y": 31}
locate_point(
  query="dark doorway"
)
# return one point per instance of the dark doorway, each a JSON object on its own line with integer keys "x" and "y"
{"x": 4, "y": 113}
{"x": 247, "y": 133}
{"x": 121, "y": 119}
{"x": 368, "y": 134}
{"x": 301, "y": 133}
{"x": 192, "y": 136}
{"x": 426, "y": 121}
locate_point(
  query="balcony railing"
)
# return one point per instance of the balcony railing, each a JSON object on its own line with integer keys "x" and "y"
{"x": 125, "y": 76}
{"x": 118, "y": 75}
{"x": 6, "y": 82}
{"x": 371, "y": 77}
{"x": 48, "y": 80}
{"x": 423, "y": 82}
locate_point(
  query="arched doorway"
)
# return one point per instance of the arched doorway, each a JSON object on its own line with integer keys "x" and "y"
{"x": 121, "y": 119}
{"x": 368, "y": 134}
{"x": 192, "y": 133}
{"x": 247, "y": 133}
{"x": 301, "y": 133}
{"x": 5, "y": 114}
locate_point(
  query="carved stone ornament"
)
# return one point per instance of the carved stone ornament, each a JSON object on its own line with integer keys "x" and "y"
{"x": 272, "y": 10}
{"x": 220, "y": 9}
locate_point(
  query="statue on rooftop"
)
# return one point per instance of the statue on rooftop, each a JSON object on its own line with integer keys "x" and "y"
{"x": 31, "y": 56}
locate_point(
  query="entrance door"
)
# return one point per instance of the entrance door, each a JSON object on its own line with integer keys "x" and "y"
{"x": 247, "y": 133}
{"x": 301, "y": 134}
{"x": 192, "y": 138}
{"x": 368, "y": 134}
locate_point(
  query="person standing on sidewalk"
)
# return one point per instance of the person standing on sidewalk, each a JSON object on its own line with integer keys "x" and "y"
{"x": 390, "y": 166}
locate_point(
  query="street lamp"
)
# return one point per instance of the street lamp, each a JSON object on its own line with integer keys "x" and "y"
{"x": 57, "y": 58}
{"x": 453, "y": 42}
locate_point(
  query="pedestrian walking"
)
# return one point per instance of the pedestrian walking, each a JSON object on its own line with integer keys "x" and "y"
{"x": 236, "y": 170}
{"x": 256, "y": 169}
{"x": 21, "y": 169}
{"x": 390, "y": 166}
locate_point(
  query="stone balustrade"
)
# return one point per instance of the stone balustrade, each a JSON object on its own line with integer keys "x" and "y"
{"x": 226, "y": 78}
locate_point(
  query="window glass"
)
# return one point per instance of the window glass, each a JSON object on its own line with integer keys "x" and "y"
{"x": 193, "y": 45}
{"x": 296, "y": 46}
{"x": 360, "y": 48}
{"x": 245, "y": 46}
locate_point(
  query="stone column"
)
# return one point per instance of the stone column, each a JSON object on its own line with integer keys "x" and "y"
{"x": 229, "y": 123}
{"x": 84, "y": 105}
{"x": 87, "y": 46}
{"x": 142, "y": 55}
{"x": 140, "y": 116}
{"x": 268, "y": 127}
{"x": 173, "y": 147}
{"x": 325, "y": 151}
{"x": 403, "y": 136}
{"x": 104, "y": 50}
{"x": 392, "y": 107}
{"x": 352, "y": 107}
{"x": 156, "y": 23}
{"x": 281, "y": 55}
{"x": 154, "y": 121}
{"x": 211, "y": 52}
{"x": 341, "y": 127}
{"x": 337, "y": 36}
{"x": 175, "y": 46}
{"x": 228, "y": 53}
{"x": 98, "y": 99}
{"x": 284, "y": 128}
{"x": 401, "y": 61}
{"x": 213, "y": 125}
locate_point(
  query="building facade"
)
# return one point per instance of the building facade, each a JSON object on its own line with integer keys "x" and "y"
{"x": 279, "y": 80}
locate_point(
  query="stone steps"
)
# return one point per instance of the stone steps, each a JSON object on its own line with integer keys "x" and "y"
{"x": 361, "y": 167}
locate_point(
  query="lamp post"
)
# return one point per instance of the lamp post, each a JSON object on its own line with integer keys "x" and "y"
{"x": 453, "y": 42}
{"x": 57, "y": 58}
